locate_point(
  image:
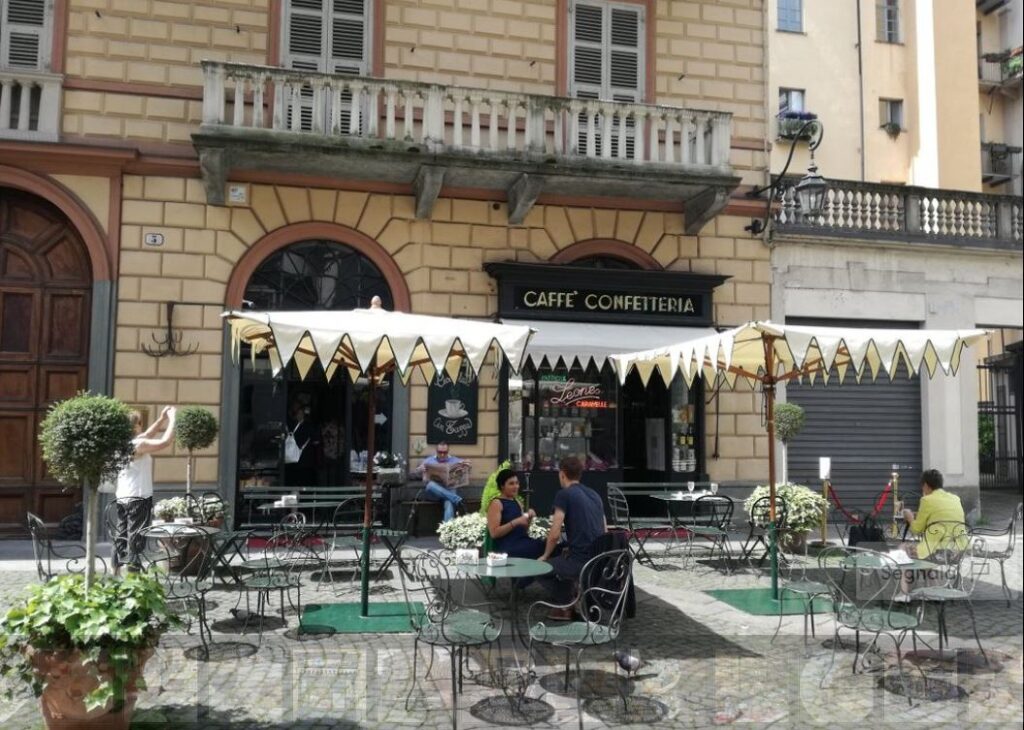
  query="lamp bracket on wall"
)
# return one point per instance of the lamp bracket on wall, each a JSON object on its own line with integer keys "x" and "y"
{"x": 170, "y": 342}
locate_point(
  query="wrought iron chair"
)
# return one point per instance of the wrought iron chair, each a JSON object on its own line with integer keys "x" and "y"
{"x": 49, "y": 556}
{"x": 863, "y": 586}
{"x": 799, "y": 584}
{"x": 957, "y": 572}
{"x": 758, "y": 523}
{"x": 181, "y": 557}
{"x": 444, "y": 621}
{"x": 638, "y": 532}
{"x": 343, "y": 533}
{"x": 274, "y": 567}
{"x": 998, "y": 545}
{"x": 710, "y": 519}
{"x": 601, "y": 602}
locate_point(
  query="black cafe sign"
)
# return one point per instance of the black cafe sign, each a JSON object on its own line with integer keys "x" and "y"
{"x": 575, "y": 293}
{"x": 563, "y": 299}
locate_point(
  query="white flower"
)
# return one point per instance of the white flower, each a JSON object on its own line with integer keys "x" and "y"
{"x": 539, "y": 528}
{"x": 804, "y": 506}
{"x": 466, "y": 531}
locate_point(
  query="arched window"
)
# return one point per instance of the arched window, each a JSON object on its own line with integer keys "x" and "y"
{"x": 604, "y": 262}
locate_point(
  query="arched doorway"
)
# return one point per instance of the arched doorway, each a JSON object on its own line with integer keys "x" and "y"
{"x": 326, "y": 417}
{"x": 45, "y": 306}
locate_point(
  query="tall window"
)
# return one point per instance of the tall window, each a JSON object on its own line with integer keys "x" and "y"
{"x": 328, "y": 35}
{"x": 25, "y": 34}
{"x": 791, "y": 100}
{"x": 791, "y": 15}
{"x": 888, "y": 18}
{"x": 607, "y": 51}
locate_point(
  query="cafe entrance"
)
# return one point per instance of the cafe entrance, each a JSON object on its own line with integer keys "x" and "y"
{"x": 568, "y": 401}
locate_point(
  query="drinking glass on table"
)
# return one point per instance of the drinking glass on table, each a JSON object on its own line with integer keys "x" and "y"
{"x": 714, "y": 487}
{"x": 689, "y": 487}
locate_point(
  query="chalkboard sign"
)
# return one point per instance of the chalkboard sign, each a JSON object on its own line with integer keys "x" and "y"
{"x": 452, "y": 408}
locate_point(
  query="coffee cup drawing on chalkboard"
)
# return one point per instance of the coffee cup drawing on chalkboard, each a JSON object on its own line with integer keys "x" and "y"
{"x": 453, "y": 408}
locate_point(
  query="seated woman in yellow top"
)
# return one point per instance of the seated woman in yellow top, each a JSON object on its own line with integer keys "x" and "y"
{"x": 937, "y": 505}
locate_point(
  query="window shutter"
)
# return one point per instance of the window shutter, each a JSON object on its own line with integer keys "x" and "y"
{"x": 22, "y": 34}
{"x": 588, "y": 51}
{"x": 626, "y": 26}
{"x": 348, "y": 37}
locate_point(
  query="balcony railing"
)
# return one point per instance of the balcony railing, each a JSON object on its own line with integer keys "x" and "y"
{"x": 899, "y": 213}
{"x": 30, "y": 105}
{"x": 440, "y": 119}
{"x": 1004, "y": 69}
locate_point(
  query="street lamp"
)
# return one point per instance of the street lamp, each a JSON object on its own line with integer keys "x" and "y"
{"x": 810, "y": 191}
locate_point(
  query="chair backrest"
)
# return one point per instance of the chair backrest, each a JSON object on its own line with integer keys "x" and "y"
{"x": 604, "y": 585}
{"x": 713, "y": 511}
{"x": 179, "y": 555}
{"x": 618, "y": 506}
{"x": 945, "y": 540}
{"x": 40, "y": 546}
{"x": 348, "y": 517}
{"x": 861, "y": 582}
{"x": 761, "y": 510}
{"x": 293, "y": 518}
{"x": 427, "y": 581}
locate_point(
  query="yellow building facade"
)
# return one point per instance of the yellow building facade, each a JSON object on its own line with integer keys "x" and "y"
{"x": 170, "y": 193}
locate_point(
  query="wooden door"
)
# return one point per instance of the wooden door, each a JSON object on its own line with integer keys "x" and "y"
{"x": 45, "y": 297}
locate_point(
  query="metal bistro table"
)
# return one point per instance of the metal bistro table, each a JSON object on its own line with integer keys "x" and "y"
{"x": 679, "y": 497}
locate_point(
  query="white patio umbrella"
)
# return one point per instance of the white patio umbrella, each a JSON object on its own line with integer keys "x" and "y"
{"x": 372, "y": 343}
{"x": 767, "y": 353}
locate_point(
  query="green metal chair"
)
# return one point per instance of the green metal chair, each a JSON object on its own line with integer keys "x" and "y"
{"x": 998, "y": 545}
{"x": 710, "y": 519}
{"x": 444, "y": 622}
{"x": 600, "y": 603}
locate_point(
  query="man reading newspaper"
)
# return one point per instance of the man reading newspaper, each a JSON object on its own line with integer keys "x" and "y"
{"x": 444, "y": 474}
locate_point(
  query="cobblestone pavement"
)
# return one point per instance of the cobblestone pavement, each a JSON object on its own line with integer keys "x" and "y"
{"x": 705, "y": 664}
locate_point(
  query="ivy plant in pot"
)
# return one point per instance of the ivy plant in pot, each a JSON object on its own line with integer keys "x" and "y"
{"x": 83, "y": 649}
{"x": 195, "y": 429}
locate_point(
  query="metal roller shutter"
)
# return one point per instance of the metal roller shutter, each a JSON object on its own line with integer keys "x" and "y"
{"x": 864, "y": 427}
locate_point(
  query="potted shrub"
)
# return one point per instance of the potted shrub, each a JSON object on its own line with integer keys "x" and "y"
{"x": 87, "y": 440}
{"x": 168, "y": 510}
{"x": 892, "y": 129}
{"x": 465, "y": 531}
{"x": 804, "y": 508}
{"x": 195, "y": 429}
{"x": 789, "y": 421}
{"x": 83, "y": 648}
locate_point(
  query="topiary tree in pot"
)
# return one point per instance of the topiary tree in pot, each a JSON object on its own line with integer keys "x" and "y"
{"x": 789, "y": 421}
{"x": 196, "y": 429}
{"x": 86, "y": 440}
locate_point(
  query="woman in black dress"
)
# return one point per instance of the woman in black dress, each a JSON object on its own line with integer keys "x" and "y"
{"x": 508, "y": 524}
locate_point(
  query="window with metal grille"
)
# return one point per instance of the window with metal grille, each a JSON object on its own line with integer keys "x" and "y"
{"x": 25, "y": 34}
{"x": 791, "y": 15}
{"x": 330, "y": 36}
{"x": 606, "y": 61}
{"x": 887, "y": 16}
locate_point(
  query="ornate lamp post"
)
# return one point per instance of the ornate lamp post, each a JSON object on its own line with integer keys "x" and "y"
{"x": 810, "y": 191}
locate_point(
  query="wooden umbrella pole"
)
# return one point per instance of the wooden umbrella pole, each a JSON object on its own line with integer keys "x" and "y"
{"x": 769, "y": 398}
{"x": 364, "y": 560}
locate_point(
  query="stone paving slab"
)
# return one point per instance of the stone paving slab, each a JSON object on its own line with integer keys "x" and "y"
{"x": 705, "y": 664}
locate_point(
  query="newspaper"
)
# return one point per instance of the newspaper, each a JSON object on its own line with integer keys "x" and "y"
{"x": 448, "y": 474}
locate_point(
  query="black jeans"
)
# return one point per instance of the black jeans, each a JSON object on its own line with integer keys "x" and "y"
{"x": 561, "y": 582}
{"x": 133, "y": 516}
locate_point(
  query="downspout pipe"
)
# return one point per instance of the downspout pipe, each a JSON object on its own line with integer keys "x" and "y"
{"x": 860, "y": 94}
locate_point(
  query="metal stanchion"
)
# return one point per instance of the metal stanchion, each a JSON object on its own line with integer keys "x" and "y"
{"x": 896, "y": 512}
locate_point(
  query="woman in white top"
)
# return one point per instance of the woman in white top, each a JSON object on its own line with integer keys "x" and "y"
{"x": 135, "y": 487}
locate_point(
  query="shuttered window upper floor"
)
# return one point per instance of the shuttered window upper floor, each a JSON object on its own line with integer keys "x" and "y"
{"x": 606, "y": 53}
{"x": 25, "y": 29}
{"x": 332, "y": 36}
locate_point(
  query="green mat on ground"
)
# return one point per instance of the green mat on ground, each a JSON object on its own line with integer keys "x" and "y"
{"x": 391, "y": 617}
{"x": 759, "y": 601}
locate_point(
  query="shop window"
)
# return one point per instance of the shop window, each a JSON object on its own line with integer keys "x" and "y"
{"x": 559, "y": 412}
{"x": 310, "y": 275}
{"x": 791, "y": 15}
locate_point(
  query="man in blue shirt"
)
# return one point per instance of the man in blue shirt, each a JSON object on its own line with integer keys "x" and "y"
{"x": 580, "y": 509}
{"x": 437, "y": 472}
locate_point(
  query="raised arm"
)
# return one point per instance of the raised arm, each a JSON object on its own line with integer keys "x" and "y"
{"x": 145, "y": 445}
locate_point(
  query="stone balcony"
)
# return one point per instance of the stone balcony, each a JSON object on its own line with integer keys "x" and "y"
{"x": 259, "y": 118}
{"x": 897, "y": 213}
{"x": 30, "y": 105}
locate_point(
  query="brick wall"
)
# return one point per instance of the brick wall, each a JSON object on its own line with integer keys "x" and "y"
{"x": 441, "y": 260}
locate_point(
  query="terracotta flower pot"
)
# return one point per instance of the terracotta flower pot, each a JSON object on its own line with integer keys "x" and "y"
{"x": 67, "y": 680}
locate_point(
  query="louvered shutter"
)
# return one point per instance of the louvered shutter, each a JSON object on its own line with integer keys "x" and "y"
{"x": 327, "y": 36}
{"x": 607, "y": 61}
{"x": 23, "y": 34}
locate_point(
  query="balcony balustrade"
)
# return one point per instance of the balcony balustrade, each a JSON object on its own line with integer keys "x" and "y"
{"x": 30, "y": 105}
{"x": 258, "y": 116}
{"x": 902, "y": 213}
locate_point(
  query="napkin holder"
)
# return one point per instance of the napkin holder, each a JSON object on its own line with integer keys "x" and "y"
{"x": 289, "y": 500}
{"x": 495, "y": 560}
{"x": 466, "y": 555}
